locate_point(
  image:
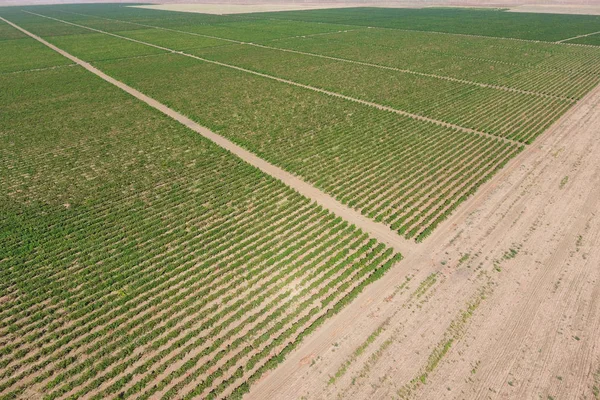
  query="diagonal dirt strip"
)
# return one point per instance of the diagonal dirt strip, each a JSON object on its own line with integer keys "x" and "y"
{"x": 377, "y": 230}
{"x": 577, "y": 37}
{"x": 315, "y": 89}
{"x": 521, "y": 200}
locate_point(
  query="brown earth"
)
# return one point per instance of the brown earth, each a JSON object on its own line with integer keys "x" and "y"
{"x": 236, "y": 8}
{"x": 240, "y": 7}
{"x": 591, "y": 7}
{"x": 503, "y": 299}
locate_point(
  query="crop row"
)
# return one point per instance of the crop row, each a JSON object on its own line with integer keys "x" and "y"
{"x": 350, "y": 152}
{"x": 497, "y": 112}
{"x": 486, "y": 60}
{"x": 129, "y": 20}
{"x": 473, "y": 59}
{"x": 518, "y": 116}
{"x": 331, "y": 142}
{"x": 135, "y": 245}
{"x": 492, "y": 23}
{"x": 504, "y": 113}
{"x": 592, "y": 40}
{"x": 24, "y": 54}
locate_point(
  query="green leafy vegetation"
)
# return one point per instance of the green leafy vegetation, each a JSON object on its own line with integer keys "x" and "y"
{"x": 26, "y": 54}
{"x": 126, "y": 235}
{"x": 138, "y": 260}
{"x": 499, "y": 23}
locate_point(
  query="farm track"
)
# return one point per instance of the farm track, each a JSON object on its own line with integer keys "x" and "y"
{"x": 293, "y": 83}
{"x": 577, "y": 37}
{"x": 380, "y": 66}
{"x": 378, "y": 231}
{"x": 520, "y": 312}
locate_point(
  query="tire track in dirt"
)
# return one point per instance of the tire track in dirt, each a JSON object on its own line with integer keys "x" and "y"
{"x": 377, "y": 230}
{"x": 535, "y": 373}
{"x": 523, "y": 353}
{"x": 487, "y": 222}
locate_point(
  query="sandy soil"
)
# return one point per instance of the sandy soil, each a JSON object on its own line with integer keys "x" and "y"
{"x": 250, "y": 7}
{"x": 232, "y": 8}
{"x": 503, "y": 299}
{"x": 592, "y": 8}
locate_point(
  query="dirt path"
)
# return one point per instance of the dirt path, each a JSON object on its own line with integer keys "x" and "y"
{"x": 577, "y": 37}
{"x": 577, "y": 7}
{"x": 315, "y": 89}
{"x": 503, "y": 299}
{"x": 377, "y": 230}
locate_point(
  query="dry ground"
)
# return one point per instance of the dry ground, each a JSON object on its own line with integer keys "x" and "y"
{"x": 233, "y": 8}
{"x": 241, "y": 7}
{"x": 503, "y": 300}
{"x": 592, "y": 8}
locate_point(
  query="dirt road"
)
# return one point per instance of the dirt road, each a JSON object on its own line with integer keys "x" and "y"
{"x": 377, "y": 230}
{"x": 503, "y": 300}
{"x": 282, "y": 80}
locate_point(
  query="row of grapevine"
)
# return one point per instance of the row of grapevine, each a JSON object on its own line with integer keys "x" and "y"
{"x": 414, "y": 93}
{"x": 458, "y": 57}
{"x": 493, "y": 111}
{"x": 368, "y": 159}
{"x": 527, "y": 63}
{"x": 142, "y": 260}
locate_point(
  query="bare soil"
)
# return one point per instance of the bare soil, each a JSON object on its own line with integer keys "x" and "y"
{"x": 591, "y": 8}
{"x": 241, "y": 6}
{"x": 503, "y": 299}
{"x": 236, "y": 8}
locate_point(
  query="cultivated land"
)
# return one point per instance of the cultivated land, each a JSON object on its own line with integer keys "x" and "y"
{"x": 503, "y": 302}
{"x": 186, "y": 197}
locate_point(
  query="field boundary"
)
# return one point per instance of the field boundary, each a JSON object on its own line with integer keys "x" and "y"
{"x": 376, "y": 230}
{"x": 366, "y": 64}
{"x": 375, "y": 294}
{"x": 447, "y": 33}
{"x": 289, "y": 82}
{"x": 23, "y": 71}
{"x": 577, "y": 37}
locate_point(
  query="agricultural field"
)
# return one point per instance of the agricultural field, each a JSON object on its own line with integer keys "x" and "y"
{"x": 133, "y": 250}
{"x": 139, "y": 259}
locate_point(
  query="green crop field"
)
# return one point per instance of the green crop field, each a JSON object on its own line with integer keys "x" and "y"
{"x": 140, "y": 260}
